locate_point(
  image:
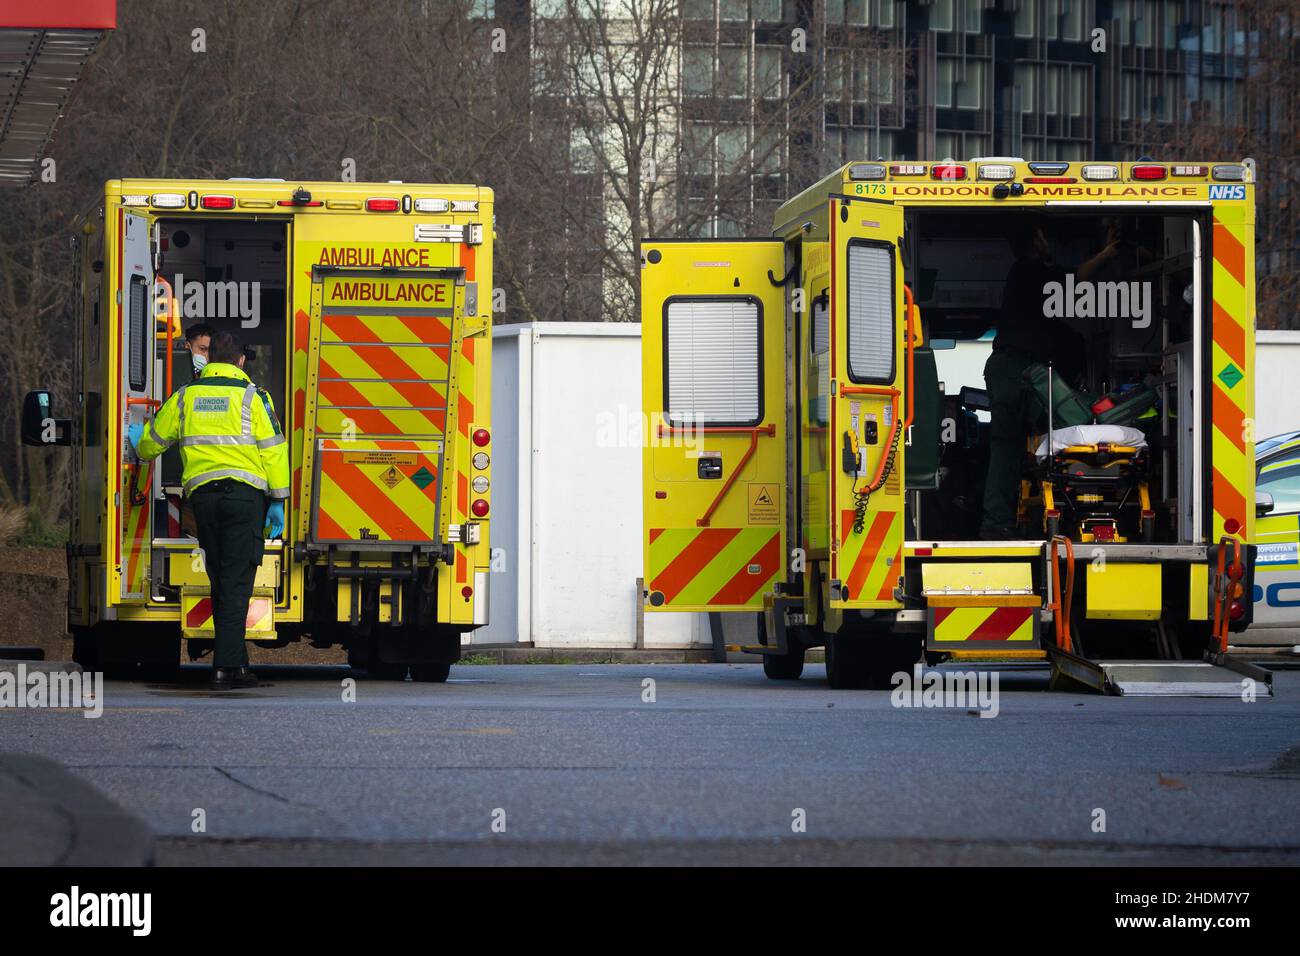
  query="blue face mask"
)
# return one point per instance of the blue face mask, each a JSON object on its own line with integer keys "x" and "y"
{"x": 199, "y": 362}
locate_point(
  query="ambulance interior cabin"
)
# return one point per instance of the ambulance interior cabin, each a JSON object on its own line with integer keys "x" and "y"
{"x": 230, "y": 274}
{"x": 1134, "y": 370}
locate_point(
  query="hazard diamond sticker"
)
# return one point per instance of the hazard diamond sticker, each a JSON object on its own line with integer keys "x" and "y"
{"x": 1231, "y": 375}
{"x": 392, "y": 477}
{"x": 422, "y": 478}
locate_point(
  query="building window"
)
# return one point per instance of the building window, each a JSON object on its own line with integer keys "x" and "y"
{"x": 1072, "y": 19}
{"x": 767, "y": 10}
{"x": 712, "y": 373}
{"x": 1052, "y": 95}
{"x": 697, "y": 70}
{"x": 943, "y": 83}
{"x": 952, "y": 88}
{"x": 1026, "y": 83}
{"x": 941, "y": 15}
{"x": 767, "y": 71}
{"x": 947, "y": 146}
{"x": 732, "y": 147}
{"x": 969, "y": 90}
{"x": 733, "y": 9}
{"x": 733, "y": 71}
{"x": 697, "y": 9}
{"x": 1027, "y": 18}
{"x": 972, "y": 16}
{"x": 1173, "y": 11}
{"x": 1078, "y": 87}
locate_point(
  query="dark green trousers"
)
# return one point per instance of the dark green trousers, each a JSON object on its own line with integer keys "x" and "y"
{"x": 1008, "y": 431}
{"x": 230, "y": 516}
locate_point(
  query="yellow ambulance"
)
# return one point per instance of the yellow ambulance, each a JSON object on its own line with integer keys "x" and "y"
{"x": 818, "y": 455}
{"x": 365, "y": 309}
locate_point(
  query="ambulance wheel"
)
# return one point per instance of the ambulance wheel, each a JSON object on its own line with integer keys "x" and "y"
{"x": 85, "y": 649}
{"x": 431, "y": 673}
{"x": 384, "y": 670}
{"x": 787, "y": 666}
{"x": 844, "y": 667}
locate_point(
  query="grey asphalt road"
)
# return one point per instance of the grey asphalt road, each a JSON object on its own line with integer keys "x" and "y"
{"x": 517, "y": 764}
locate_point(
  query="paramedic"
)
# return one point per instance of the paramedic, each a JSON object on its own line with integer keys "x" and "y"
{"x": 235, "y": 457}
{"x": 1025, "y": 335}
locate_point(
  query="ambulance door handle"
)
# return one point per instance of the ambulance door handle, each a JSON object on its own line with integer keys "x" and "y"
{"x": 709, "y": 468}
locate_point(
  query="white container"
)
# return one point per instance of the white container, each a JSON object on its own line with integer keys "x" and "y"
{"x": 566, "y": 491}
{"x": 1277, "y": 382}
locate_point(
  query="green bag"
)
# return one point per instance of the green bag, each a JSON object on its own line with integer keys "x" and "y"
{"x": 1073, "y": 407}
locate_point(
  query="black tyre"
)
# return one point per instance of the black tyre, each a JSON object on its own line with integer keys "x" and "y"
{"x": 383, "y": 670}
{"x": 787, "y": 666}
{"x": 869, "y": 659}
{"x": 430, "y": 673}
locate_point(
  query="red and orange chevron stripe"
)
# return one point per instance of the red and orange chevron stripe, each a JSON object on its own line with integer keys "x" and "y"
{"x": 712, "y": 568}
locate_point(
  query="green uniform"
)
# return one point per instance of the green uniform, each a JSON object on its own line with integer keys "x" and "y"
{"x": 1024, "y": 335}
{"x": 233, "y": 456}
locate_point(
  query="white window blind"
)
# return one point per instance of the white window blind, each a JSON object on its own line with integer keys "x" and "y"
{"x": 713, "y": 370}
{"x": 871, "y": 313}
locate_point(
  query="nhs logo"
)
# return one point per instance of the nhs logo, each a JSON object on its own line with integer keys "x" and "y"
{"x": 1227, "y": 192}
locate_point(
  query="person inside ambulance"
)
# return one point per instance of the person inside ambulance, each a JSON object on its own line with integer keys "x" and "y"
{"x": 198, "y": 340}
{"x": 235, "y": 457}
{"x": 1025, "y": 335}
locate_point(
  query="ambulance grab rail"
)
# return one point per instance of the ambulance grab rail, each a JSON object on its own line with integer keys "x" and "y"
{"x": 909, "y": 337}
{"x": 1060, "y": 602}
{"x": 1223, "y": 596}
{"x": 769, "y": 429}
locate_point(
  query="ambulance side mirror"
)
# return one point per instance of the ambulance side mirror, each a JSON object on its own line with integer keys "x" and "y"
{"x": 39, "y": 427}
{"x": 1263, "y": 503}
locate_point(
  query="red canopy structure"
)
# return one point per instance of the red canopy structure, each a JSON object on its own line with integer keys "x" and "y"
{"x": 43, "y": 50}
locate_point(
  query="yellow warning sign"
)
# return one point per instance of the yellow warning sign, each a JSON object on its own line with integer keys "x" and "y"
{"x": 379, "y": 458}
{"x": 764, "y": 503}
{"x": 392, "y": 477}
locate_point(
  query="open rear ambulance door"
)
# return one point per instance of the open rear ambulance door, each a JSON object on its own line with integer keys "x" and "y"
{"x": 868, "y": 404}
{"x": 713, "y": 394}
{"x": 136, "y": 342}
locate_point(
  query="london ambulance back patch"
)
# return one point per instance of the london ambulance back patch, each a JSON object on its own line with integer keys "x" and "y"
{"x": 212, "y": 405}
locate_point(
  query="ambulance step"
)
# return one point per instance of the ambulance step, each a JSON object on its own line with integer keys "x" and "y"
{"x": 1161, "y": 678}
{"x": 751, "y": 649}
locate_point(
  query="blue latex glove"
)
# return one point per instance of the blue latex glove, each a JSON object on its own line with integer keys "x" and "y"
{"x": 274, "y": 520}
{"x": 133, "y": 432}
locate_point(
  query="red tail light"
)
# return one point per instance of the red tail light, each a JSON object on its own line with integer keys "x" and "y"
{"x": 1236, "y": 610}
{"x": 479, "y": 508}
{"x": 1103, "y": 532}
{"x": 217, "y": 202}
{"x": 948, "y": 171}
{"x": 1231, "y": 526}
{"x": 481, "y": 437}
{"x": 467, "y": 592}
{"x": 382, "y": 205}
{"x": 1149, "y": 172}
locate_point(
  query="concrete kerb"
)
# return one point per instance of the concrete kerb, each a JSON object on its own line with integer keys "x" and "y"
{"x": 54, "y": 818}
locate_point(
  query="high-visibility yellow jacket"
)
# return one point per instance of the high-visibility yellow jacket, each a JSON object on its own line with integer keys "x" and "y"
{"x": 226, "y": 427}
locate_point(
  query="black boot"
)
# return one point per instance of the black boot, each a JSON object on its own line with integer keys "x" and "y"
{"x": 229, "y": 678}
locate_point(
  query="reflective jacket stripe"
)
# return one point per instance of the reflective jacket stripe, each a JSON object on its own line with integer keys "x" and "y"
{"x": 257, "y": 481}
{"x": 220, "y": 440}
{"x": 153, "y": 433}
{"x": 271, "y": 442}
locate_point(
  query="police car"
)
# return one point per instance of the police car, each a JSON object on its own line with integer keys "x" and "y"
{"x": 1277, "y": 535}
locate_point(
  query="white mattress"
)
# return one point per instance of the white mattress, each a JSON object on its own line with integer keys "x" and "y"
{"x": 1092, "y": 435}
